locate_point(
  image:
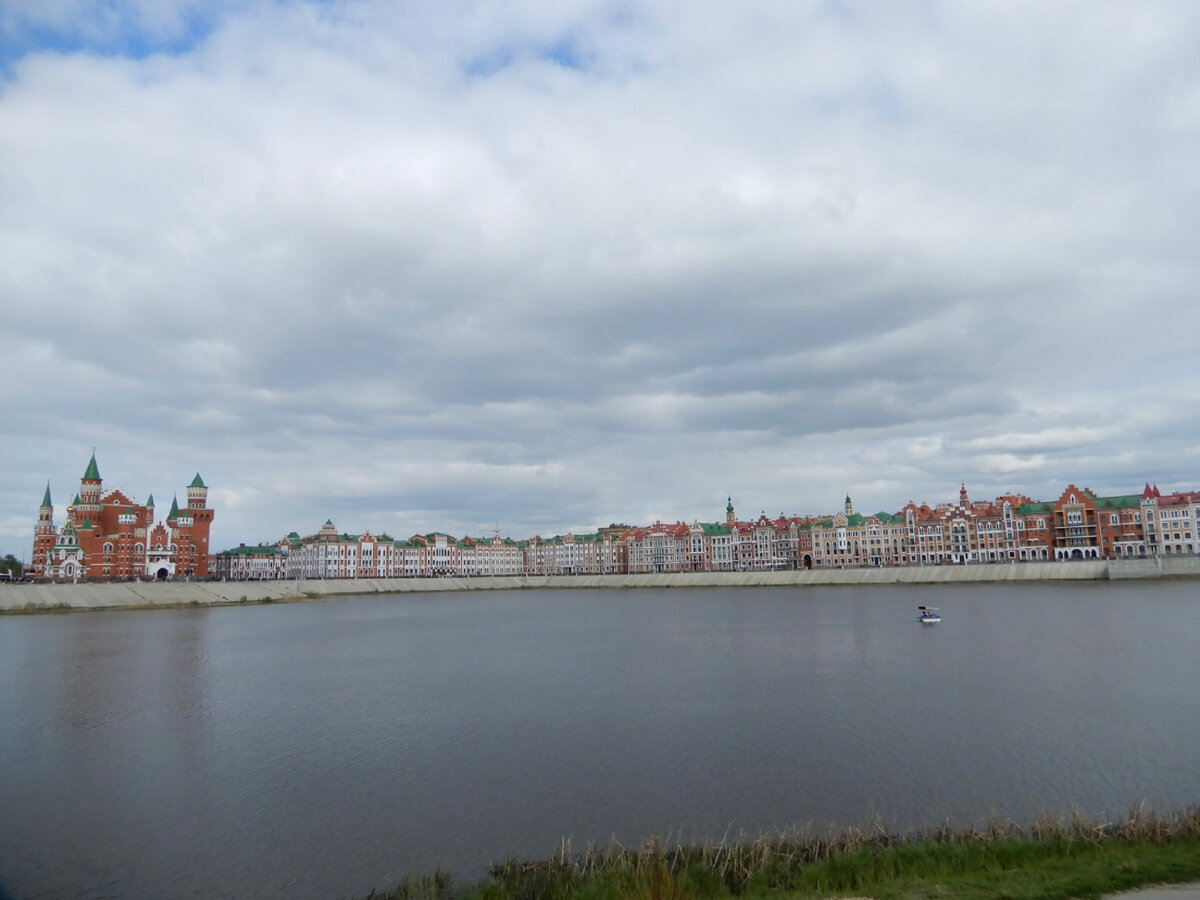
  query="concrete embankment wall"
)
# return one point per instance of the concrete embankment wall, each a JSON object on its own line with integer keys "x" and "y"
{"x": 135, "y": 595}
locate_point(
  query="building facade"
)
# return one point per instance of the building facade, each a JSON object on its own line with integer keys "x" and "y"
{"x": 110, "y": 536}
{"x": 1011, "y": 528}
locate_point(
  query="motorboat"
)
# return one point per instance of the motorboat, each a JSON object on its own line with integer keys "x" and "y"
{"x": 928, "y": 615}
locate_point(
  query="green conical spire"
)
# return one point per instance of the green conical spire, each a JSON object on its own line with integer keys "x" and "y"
{"x": 150, "y": 502}
{"x": 197, "y": 481}
{"x": 174, "y": 513}
{"x": 93, "y": 471}
{"x": 46, "y": 500}
{"x": 76, "y": 501}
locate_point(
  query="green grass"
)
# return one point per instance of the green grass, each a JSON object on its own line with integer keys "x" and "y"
{"x": 1072, "y": 858}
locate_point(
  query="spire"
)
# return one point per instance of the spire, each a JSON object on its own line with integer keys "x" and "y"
{"x": 46, "y": 500}
{"x": 93, "y": 471}
{"x": 150, "y": 502}
{"x": 174, "y": 513}
{"x": 197, "y": 482}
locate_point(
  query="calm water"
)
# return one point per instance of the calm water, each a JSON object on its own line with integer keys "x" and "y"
{"x": 319, "y": 750}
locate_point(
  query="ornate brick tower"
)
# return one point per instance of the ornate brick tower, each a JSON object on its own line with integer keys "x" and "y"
{"x": 44, "y": 535}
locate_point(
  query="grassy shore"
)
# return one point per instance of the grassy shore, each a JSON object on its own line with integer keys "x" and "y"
{"x": 1054, "y": 858}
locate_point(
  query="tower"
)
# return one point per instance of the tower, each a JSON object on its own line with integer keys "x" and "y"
{"x": 729, "y": 517}
{"x": 197, "y": 493}
{"x": 89, "y": 491}
{"x": 44, "y": 535}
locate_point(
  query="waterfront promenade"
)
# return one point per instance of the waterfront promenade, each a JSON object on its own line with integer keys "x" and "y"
{"x": 142, "y": 595}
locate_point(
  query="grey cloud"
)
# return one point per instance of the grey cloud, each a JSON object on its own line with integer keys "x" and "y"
{"x": 638, "y": 260}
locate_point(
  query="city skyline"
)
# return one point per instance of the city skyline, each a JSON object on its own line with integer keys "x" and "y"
{"x": 440, "y": 266}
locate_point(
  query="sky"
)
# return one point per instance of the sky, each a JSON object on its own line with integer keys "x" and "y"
{"x": 462, "y": 265}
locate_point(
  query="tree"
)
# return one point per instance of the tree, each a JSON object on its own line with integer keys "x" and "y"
{"x": 12, "y": 566}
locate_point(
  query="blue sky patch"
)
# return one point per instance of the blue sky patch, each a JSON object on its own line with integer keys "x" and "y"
{"x": 124, "y": 38}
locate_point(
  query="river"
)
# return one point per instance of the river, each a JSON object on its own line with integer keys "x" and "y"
{"x": 318, "y": 750}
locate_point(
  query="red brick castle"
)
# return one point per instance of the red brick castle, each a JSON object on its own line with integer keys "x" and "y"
{"x": 112, "y": 536}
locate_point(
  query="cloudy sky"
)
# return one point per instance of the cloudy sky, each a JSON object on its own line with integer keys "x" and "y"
{"x": 453, "y": 264}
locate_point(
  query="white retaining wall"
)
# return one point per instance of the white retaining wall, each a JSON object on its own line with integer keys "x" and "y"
{"x": 47, "y": 597}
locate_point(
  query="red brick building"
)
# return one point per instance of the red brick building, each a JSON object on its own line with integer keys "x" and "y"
{"x": 112, "y": 536}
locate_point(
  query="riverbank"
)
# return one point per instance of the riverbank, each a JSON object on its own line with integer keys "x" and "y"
{"x": 32, "y": 598}
{"x": 1052, "y": 859}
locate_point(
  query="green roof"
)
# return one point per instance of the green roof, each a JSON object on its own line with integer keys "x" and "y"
{"x": 197, "y": 481}
{"x": 46, "y": 500}
{"x": 150, "y": 502}
{"x": 1130, "y": 500}
{"x": 174, "y": 513}
{"x": 246, "y": 551}
{"x": 93, "y": 471}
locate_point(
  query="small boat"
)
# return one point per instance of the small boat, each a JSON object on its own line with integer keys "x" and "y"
{"x": 928, "y": 615}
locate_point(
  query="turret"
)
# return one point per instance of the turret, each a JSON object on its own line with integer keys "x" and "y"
{"x": 197, "y": 493}
{"x": 849, "y": 506}
{"x": 729, "y": 517}
{"x": 89, "y": 488}
{"x": 46, "y": 511}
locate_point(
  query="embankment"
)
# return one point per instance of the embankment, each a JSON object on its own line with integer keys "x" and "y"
{"x": 146, "y": 595}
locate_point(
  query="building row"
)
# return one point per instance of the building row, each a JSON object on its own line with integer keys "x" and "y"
{"x": 1007, "y": 529}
